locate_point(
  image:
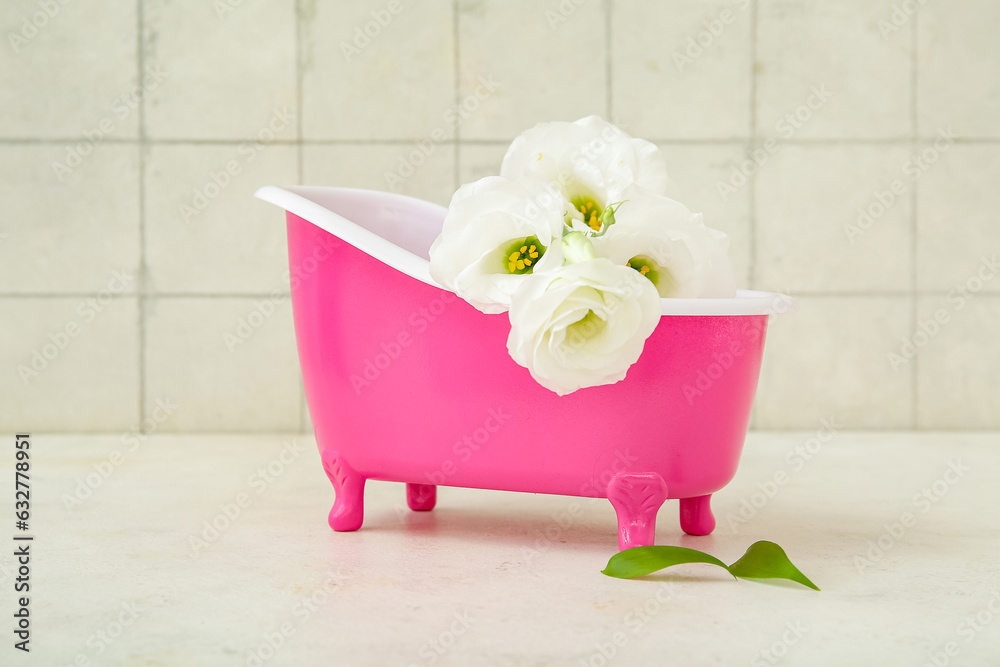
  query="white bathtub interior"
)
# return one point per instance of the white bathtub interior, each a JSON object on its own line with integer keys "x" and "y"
{"x": 399, "y": 230}
{"x": 411, "y": 224}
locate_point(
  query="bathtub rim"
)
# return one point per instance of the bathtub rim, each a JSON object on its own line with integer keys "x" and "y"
{"x": 746, "y": 302}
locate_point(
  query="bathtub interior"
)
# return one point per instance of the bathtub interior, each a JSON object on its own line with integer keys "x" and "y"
{"x": 408, "y": 223}
{"x": 398, "y": 230}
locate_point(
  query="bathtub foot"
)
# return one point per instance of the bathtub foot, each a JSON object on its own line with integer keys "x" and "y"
{"x": 636, "y": 498}
{"x": 421, "y": 497}
{"x": 349, "y": 507}
{"x": 696, "y": 515}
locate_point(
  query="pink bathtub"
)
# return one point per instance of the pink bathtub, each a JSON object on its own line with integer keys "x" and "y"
{"x": 408, "y": 383}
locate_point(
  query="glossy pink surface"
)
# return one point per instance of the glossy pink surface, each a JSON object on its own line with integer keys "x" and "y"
{"x": 406, "y": 382}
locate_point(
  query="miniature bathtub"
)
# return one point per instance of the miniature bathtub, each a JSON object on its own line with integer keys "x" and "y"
{"x": 406, "y": 382}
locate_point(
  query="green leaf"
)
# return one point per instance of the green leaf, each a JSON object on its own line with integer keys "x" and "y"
{"x": 638, "y": 561}
{"x": 766, "y": 560}
{"x": 763, "y": 560}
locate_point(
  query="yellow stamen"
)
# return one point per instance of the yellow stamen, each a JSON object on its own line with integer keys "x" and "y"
{"x": 646, "y": 267}
{"x": 520, "y": 255}
{"x": 591, "y": 210}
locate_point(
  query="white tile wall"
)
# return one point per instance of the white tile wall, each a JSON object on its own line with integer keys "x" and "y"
{"x": 804, "y": 46}
{"x": 478, "y": 161}
{"x": 830, "y": 360}
{"x": 148, "y": 102}
{"x": 371, "y": 73}
{"x": 70, "y": 363}
{"x": 958, "y": 61}
{"x": 70, "y": 70}
{"x": 226, "y": 74}
{"x": 424, "y": 170}
{"x": 523, "y": 61}
{"x": 697, "y": 170}
{"x": 957, "y": 361}
{"x": 957, "y": 221}
{"x": 229, "y": 364}
{"x": 834, "y": 218}
{"x": 68, "y": 229}
{"x": 205, "y": 233}
{"x": 685, "y": 73}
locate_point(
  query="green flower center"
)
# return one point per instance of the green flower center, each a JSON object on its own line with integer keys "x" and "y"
{"x": 521, "y": 256}
{"x": 587, "y": 327}
{"x": 645, "y": 266}
{"x": 591, "y": 211}
{"x": 658, "y": 275}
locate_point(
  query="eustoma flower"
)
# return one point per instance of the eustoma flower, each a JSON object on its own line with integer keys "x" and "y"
{"x": 670, "y": 245}
{"x": 590, "y": 161}
{"x": 578, "y": 239}
{"x": 583, "y": 324}
{"x": 496, "y": 233}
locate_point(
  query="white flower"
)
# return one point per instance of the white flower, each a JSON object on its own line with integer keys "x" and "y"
{"x": 496, "y": 233}
{"x": 581, "y": 325}
{"x": 578, "y": 240}
{"x": 670, "y": 245}
{"x": 590, "y": 161}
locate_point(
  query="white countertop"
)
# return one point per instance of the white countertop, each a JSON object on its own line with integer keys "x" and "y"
{"x": 477, "y": 582}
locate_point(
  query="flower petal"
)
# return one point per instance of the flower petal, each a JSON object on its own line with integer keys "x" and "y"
{"x": 588, "y": 157}
{"x": 483, "y": 219}
{"x": 582, "y": 325}
{"x": 692, "y": 258}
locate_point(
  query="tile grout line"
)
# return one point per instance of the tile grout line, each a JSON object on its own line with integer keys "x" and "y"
{"x": 687, "y": 141}
{"x": 143, "y": 268}
{"x": 752, "y": 190}
{"x": 456, "y": 55}
{"x": 299, "y": 142}
{"x": 300, "y": 175}
{"x": 914, "y": 275}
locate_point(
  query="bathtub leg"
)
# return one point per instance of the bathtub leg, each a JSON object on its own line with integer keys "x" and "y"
{"x": 696, "y": 515}
{"x": 421, "y": 497}
{"x": 636, "y": 497}
{"x": 349, "y": 507}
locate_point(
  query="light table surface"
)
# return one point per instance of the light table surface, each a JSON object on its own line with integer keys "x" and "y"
{"x": 135, "y": 573}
